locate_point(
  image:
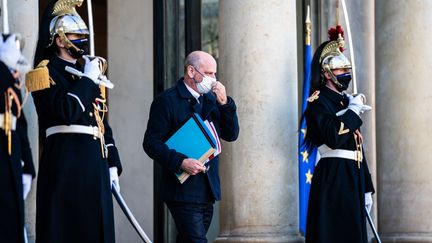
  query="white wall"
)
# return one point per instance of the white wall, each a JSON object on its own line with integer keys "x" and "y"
{"x": 130, "y": 58}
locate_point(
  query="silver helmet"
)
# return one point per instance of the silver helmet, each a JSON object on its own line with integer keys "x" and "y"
{"x": 332, "y": 58}
{"x": 67, "y": 21}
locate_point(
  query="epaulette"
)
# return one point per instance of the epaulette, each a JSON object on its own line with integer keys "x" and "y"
{"x": 314, "y": 96}
{"x": 38, "y": 78}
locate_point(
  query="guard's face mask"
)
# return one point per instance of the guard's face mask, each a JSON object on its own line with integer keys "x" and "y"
{"x": 345, "y": 80}
{"x": 82, "y": 45}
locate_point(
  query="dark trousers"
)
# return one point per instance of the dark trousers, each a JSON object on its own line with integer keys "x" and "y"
{"x": 192, "y": 221}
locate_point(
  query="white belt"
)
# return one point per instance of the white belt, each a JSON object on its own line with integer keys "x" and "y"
{"x": 326, "y": 152}
{"x": 94, "y": 131}
{"x": 14, "y": 121}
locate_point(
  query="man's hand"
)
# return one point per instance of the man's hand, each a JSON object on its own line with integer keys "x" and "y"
{"x": 192, "y": 166}
{"x": 219, "y": 89}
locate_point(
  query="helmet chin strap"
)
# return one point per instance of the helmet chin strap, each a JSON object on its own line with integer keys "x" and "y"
{"x": 333, "y": 77}
{"x": 68, "y": 43}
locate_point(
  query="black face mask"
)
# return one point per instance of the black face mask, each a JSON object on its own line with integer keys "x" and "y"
{"x": 345, "y": 80}
{"x": 82, "y": 45}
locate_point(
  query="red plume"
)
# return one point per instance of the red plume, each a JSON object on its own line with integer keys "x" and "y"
{"x": 333, "y": 34}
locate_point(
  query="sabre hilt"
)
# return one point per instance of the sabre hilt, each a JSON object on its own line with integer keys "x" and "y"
{"x": 363, "y": 97}
{"x": 103, "y": 64}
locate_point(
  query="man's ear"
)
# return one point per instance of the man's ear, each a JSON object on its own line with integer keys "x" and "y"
{"x": 190, "y": 71}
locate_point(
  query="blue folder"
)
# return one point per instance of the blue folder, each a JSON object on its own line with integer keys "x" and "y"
{"x": 194, "y": 140}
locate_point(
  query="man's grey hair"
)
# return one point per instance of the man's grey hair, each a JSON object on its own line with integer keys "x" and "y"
{"x": 192, "y": 59}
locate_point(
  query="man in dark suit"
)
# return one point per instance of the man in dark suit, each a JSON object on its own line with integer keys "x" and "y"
{"x": 190, "y": 203}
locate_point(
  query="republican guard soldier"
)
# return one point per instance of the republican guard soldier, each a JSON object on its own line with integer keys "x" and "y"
{"x": 16, "y": 163}
{"x": 341, "y": 184}
{"x": 79, "y": 160}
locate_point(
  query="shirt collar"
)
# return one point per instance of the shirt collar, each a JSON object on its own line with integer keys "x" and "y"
{"x": 195, "y": 94}
{"x": 70, "y": 61}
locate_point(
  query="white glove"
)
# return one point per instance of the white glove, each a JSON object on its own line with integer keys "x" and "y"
{"x": 368, "y": 201}
{"x": 357, "y": 105}
{"x": 11, "y": 55}
{"x": 26, "y": 182}
{"x": 92, "y": 70}
{"x": 114, "y": 179}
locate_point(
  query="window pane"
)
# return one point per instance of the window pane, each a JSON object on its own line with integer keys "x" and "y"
{"x": 209, "y": 28}
{"x": 181, "y": 23}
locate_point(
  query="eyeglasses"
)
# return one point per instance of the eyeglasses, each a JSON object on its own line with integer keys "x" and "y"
{"x": 202, "y": 73}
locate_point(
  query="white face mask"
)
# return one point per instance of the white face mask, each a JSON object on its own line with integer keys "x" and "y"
{"x": 205, "y": 85}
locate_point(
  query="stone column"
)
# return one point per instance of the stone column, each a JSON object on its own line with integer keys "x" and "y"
{"x": 23, "y": 19}
{"x": 258, "y": 65}
{"x": 130, "y": 59}
{"x": 404, "y": 113}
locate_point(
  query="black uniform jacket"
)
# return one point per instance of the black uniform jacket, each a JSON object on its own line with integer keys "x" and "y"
{"x": 74, "y": 202}
{"x": 167, "y": 112}
{"x": 336, "y": 211}
{"x": 12, "y": 167}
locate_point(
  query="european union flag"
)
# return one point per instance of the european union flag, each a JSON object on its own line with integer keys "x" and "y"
{"x": 307, "y": 156}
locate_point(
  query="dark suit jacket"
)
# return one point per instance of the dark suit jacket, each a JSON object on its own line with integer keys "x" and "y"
{"x": 167, "y": 112}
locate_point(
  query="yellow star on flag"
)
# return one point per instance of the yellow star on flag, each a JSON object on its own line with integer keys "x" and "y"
{"x": 309, "y": 177}
{"x": 305, "y": 155}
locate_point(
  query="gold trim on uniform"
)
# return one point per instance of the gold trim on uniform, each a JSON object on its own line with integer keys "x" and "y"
{"x": 342, "y": 129}
{"x": 38, "y": 78}
{"x": 314, "y": 96}
{"x": 100, "y": 107}
{"x": 10, "y": 98}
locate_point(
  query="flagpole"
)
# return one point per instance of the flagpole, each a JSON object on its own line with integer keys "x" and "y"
{"x": 308, "y": 31}
{"x": 308, "y": 27}
{"x": 306, "y": 156}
